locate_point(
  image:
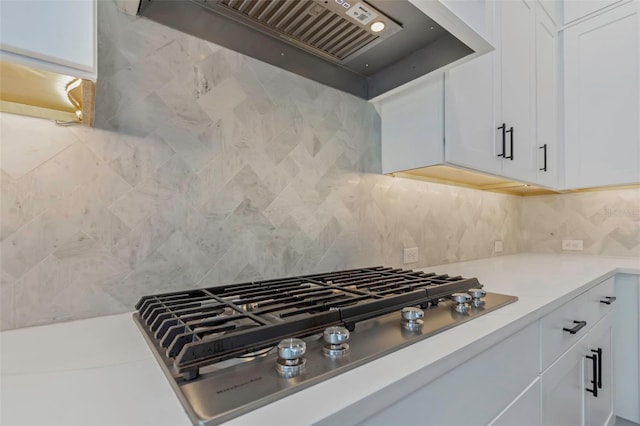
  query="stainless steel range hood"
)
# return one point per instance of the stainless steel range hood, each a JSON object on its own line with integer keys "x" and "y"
{"x": 333, "y": 42}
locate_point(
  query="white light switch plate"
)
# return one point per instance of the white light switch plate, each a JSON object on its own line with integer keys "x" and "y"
{"x": 410, "y": 255}
{"x": 498, "y": 247}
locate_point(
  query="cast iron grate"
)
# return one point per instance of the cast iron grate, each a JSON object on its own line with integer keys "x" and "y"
{"x": 196, "y": 328}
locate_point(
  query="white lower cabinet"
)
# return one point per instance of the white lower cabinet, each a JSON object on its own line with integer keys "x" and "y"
{"x": 557, "y": 370}
{"x": 475, "y": 392}
{"x": 577, "y": 389}
{"x": 626, "y": 347}
{"x": 524, "y": 411}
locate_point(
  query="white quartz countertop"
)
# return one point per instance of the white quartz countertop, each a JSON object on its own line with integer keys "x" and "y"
{"x": 100, "y": 372}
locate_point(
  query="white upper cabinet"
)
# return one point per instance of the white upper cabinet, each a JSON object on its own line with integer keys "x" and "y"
{"x": 412, "y": 127}
{"x": 602, "y": 99}
{"x": 516, "y": 79}
{"x": 546, "y": 72}
{"x": 470, "y": 133}
{"x": 54, "y": 35}
{"x": 576, "y": 9}
{"x": 501, "y": 109}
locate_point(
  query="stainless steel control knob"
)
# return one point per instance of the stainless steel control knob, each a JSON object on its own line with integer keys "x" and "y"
{"x": 290, "y": 357}
{"x": 477, "y": 294}
{"x": 460, "y": 300}
{"x": 291, "y": 349}
{"x": 411, "y": 318}
{"x": 412, "y": 314}
{"x": 335, "y": 335}
{"x": 335, "y": 338}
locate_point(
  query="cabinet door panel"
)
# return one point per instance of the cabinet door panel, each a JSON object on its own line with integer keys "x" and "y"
{"x": 562, "y": 390}
{"x": 626, "y": 341}
{"x": 575, "y": 9}
{"x": 469, "y": 116}
{"x": 546, "y": 100}
{"x": 524, "y": 411}
{"x": 412, "y": 127}
{"x": 600, "y": 410}
{"x": 516, "y": 73}
{"x": 470, "y": 133}
{"x": 602, "y": 99}
{"x": 59, "y": 31}
{"x": 505, "y": 369}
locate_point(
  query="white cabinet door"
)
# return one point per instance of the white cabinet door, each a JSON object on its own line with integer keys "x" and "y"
{"x": 546, "y": 69}
{"x": 517, "y": 87}
{"x": 626, "y": 342}
{"x": 412, "y": 127}
{"x": 469, "y": 116}
{"x": 602, "y": 99}
{"x": 57, "y": 35}
{"x": 562, "y": 390}
{"x": 599, "y": 408}
{"x": 524, "y": 411}
{"x": 473, "y": 393}
{"x": 470, "y": 111}
{"x": 575, "y": 9}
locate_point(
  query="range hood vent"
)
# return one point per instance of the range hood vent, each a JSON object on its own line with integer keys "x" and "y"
{"x": 320, "y": 27}
{"x": 333, "y": 42}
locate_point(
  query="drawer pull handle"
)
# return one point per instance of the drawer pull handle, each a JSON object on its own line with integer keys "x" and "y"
{"x": 510, "y": 131}
{"x": 579, "y": 326}
{"x": 610, "y": 300}
{"x": 504, "y": 140}
{"x": 594, "y": 358}
{"x": 599, "y": 352}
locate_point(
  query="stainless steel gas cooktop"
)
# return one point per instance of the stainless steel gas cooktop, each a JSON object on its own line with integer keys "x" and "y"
{"x": 230, "y": 349}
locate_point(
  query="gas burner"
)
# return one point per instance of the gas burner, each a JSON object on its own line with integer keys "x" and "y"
{"x": 232, "y": 348}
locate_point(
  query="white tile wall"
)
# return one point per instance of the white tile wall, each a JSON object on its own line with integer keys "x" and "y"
{"x": 209, "y": 167}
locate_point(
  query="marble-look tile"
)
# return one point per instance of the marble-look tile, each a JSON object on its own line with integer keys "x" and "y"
{"x": 11, "y": 214}
{"x": 26, "y": 143}
{"x": 208, "y": 167}
{"x": 140, "y": 117}
{"x": 181, "y": 249}
{"x": 89, "y": 261}
{"x": 93, "y": 218}
{"x": 56, "y": 290}
{"x": 608, "y": 222}
{"x": 7, "y": 299}
{"x": 194, "y": 152}
{"x": 30, "y": 244}
{"x": 221, "y": 100}
{"x": 154, "y": 193}
{"x": 182, "y": 102}
{"x": 47, "y": 184}
{"x": 143, "y": 240}
{"x": 282, "y": 206}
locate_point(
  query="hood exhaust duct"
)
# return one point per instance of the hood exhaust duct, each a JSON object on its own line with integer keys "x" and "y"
{"x": 364, "y": 48}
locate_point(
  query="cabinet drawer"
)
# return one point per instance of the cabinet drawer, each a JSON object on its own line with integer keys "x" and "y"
{"x": 587, "y": 307}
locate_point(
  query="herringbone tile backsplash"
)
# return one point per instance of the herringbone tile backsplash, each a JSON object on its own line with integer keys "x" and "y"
{"x": 208, "y": 167}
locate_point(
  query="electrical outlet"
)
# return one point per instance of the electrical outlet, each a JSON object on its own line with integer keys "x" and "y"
{"x": 410, "y": 255}
{"x": 572, "y": 245}
{"x": 498, "y": 247}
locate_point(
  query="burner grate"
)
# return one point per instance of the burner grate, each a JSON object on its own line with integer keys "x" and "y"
{"x": 200, "y": 327}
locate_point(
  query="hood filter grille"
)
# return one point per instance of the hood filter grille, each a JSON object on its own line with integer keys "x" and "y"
{"x": 306, "y": 23}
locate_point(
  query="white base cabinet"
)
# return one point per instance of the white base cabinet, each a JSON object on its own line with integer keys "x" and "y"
{"x": 626, "y": 343}
{"x": 474, "y": 392}
{"x": 524, "y": 411}
{"x": 577, "y": 389}
{"x": 557, "y": 370}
